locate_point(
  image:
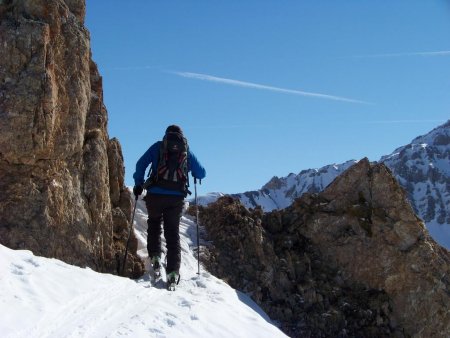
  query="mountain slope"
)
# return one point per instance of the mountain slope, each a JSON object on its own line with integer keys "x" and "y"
{"x": 421, "y": 167}
{"x": 48, "y": 298}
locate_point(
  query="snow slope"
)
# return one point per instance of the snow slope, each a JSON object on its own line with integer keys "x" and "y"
{"x": 43, "y": 297}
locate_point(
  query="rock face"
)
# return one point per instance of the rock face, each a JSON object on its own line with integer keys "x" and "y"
{"x": 352, "y": 261}
{"x": 62, "y": 193}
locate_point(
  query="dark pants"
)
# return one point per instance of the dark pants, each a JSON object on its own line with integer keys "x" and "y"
{"x": 166, "y": 208}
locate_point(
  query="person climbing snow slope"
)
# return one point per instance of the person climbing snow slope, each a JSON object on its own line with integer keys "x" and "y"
{"x": 167, "y": 186}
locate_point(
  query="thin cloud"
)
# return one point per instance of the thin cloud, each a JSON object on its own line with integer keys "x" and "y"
{"x": 404, "y": 121}
{"x": 210, "y": 78}
{"x": 388, "y": 55}
{"x": 133, "y": 68}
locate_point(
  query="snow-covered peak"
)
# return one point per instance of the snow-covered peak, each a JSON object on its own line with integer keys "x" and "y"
{"x": 439, "y": 136}
{"x": 437, "y": 140}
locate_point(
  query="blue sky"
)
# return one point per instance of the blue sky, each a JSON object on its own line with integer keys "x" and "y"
{"x": 265, "y": 88}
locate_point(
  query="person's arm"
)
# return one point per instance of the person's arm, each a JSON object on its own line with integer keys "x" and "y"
{"x": 142, "y": 164}
{"x": 195, "y": 167}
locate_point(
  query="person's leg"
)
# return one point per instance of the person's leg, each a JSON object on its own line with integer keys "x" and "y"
{"x": 171, "y": 215}
{"x": 154, "y": 209}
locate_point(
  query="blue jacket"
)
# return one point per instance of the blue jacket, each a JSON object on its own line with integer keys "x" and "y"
{"x": 152, "y": 156}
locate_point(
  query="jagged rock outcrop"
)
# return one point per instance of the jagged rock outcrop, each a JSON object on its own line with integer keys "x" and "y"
{"x": 352, "y": 261}
{"x": 61, "y": 179}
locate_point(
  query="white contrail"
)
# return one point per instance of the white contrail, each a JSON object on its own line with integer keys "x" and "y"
{"x": 387, "y": 55}
{"x": 232, "y": 82}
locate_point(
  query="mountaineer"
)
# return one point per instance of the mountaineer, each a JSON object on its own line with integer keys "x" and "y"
{"x": 167, "y": 186}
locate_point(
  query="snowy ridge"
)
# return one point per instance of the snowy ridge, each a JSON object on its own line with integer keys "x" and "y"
{"x": 44, "y": 297}
{"x": 279, "y": 193}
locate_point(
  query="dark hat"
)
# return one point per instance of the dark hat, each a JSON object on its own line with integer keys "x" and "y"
{"x": 174, "y": 129}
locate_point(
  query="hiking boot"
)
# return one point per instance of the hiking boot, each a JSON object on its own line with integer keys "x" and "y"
{"x": 156, "y": 265}
{"x": 173, "y": 278}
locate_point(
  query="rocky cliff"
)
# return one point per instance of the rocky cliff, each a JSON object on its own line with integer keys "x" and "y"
{"x": 352, "y": 261}
{"x": 62, "y": 191}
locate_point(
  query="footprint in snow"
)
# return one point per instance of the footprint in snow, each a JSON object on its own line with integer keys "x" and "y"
{"x": 17, "y": 269}
{"x": 170, "y": 322}
{"x": 32, "y": 262}
{"x": 201, "y": 284}
{"x": 186, "y": 303}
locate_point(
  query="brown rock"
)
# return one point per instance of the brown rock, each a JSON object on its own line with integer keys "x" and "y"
{"x": 353, "y": 261}
{"x": 56, "y": 159}
{"x": 393, "y": 252}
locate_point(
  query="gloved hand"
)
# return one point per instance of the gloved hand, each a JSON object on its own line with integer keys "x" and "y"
{"x": 137, "y": 190}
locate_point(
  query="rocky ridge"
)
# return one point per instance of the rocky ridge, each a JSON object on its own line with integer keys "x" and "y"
{"x": 351, "y": 261}
{"x": 62, "y": 191}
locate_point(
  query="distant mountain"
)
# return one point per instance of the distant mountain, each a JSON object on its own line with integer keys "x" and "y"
{"x": 421, "y": 167}
{"x": 279, "y": 193}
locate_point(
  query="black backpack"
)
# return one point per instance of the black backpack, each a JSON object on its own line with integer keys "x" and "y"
{"x": 172, "y": 171}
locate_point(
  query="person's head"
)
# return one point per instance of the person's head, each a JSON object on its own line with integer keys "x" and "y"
{"x": 174, "y": 129}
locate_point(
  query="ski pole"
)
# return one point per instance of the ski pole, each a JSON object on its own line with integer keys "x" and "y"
{"x": 129, "y": 235}
{"x": 196, "y": 221}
